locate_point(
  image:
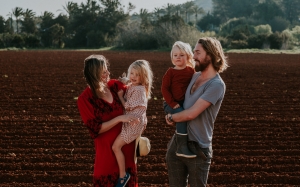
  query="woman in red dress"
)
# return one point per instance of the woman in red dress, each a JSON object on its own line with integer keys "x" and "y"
{"x": 102, "y": 113}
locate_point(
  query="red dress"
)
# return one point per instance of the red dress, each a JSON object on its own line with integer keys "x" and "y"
{"x": 94, "y": 112}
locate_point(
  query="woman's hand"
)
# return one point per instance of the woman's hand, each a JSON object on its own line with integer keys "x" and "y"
{"x": 122, "y": 118}
{"x": 129, "y": 119}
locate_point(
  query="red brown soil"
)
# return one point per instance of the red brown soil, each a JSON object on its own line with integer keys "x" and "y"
{"x": 43, "y": 142}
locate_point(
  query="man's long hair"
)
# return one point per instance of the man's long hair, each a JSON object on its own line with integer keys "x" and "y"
{"x": 214, "y": 49}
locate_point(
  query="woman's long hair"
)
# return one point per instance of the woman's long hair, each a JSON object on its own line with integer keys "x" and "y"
{"x": 93, "y": 69}
{"x": 214, "y": 49}
{"x": 146, "y": 74}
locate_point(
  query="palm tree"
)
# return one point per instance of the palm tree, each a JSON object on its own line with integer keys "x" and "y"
{"x": 197, "y": 10}
{"x": 144, "y": 15}
{"x": 130, "y": 8}
{"x": 28, "y": 23}
{"x": 91, "y": 8}
{"x": 47, "y": 14}
{"x": 169, "y": 9}
{"x": 111, "y": 5}
{"x": 17, "y": 12}
{"x": 177, "y": 9}
{"x": 47, "y": 20}
{"x": 11, "y": 20}
{"x": 28, "y": 13}
{"x": 69, "y": 7}
{"x": 157, "y": 12}
{"x": 187, "y": 8}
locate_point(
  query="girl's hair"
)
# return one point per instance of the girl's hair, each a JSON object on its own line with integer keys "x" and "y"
{"x": 145, "y": 72}
{"x": 93, "y": 69}
{"x": 214, "y": 49}
{"x": 185, "y": 48}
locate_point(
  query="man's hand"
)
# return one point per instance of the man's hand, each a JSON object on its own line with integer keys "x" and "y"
{"x": 167, "y": 117}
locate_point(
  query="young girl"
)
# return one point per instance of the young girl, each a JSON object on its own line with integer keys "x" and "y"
{"x": 174, "y": 84}
{"x": 135, "y": 103}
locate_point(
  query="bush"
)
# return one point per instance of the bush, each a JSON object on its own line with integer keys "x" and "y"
{"x": 140, "y": 41}
{"x": 263, "y": 29}
{"x": 237, "y": 24}
{"x": 32, "y": 41}
{"x": 52, "y": 36}
{"x": 296, "y": 33}
{"x": 288, "y": 40}
{"x": 276, "y": 40}
{"x": 132, "y": 37}
{"x": 1, "y": 43}
{"x": 207, "y": 22}
{"x": 238, "y": 44}
{"x": 17, "y": 41}
{"x": 95, "y": 39}
{"x": 224, "y": 42}
{"x": 161, "y": 34}
{"x": 257, "y": 41}
{"x": 238, "y": 35}
{"x": 279, "y": 24}
{"x": 191, "y": 35}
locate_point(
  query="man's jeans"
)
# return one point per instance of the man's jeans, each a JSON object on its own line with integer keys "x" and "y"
{"x": 181, "y": 127}
{"x": 182, "y": 171}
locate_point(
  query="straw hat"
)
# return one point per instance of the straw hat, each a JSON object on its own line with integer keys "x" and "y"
{"x": 142, "y": 147}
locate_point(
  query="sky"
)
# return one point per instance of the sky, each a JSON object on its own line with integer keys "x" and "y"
{"x": 39, "y": 6}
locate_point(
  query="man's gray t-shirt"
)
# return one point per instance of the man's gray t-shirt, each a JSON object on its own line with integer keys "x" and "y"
{"x": 201, "y": 128}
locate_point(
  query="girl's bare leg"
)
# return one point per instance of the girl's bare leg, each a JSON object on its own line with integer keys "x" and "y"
{"x": 117, "y": 146}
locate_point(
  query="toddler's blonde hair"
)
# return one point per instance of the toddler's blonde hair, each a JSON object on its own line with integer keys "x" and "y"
{"x": 185, "y": 48}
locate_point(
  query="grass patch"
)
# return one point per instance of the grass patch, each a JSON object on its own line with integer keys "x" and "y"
{"x": 99, "y": 49}
{"x": 11, "y": 49}
{"x": 267, "y": 51}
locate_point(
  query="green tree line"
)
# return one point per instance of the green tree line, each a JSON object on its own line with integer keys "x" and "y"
{"x": 106, "y": 23}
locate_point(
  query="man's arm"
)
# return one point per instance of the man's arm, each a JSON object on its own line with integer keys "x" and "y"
{"x": 211, "y": 95}
{"x": 190, "y": 113}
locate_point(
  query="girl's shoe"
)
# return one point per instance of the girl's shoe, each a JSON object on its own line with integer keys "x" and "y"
{"x": 123, "y": 181}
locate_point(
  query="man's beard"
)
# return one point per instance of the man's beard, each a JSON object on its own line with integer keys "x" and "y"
{"x": 201, "y": 66}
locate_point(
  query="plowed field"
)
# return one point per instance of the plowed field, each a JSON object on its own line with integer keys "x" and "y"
{"x": 43, "y": 142}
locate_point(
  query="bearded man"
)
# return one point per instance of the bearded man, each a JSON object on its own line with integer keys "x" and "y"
{"x": 202, "y": 103}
